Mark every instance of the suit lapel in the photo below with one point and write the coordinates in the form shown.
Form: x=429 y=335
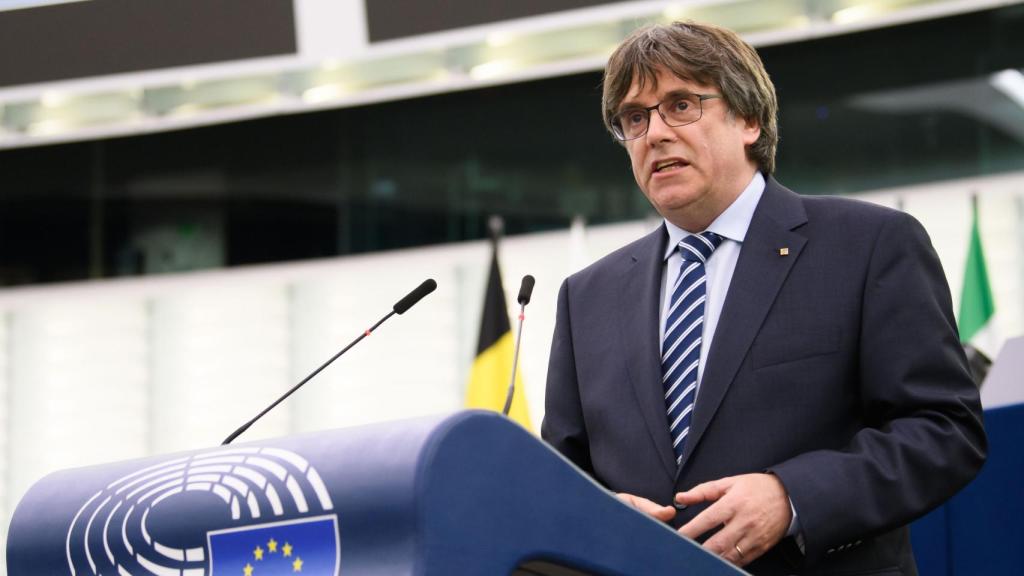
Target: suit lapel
x=639 y=312
x=760 y=273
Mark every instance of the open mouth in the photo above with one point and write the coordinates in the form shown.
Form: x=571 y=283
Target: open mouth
x=668 y=165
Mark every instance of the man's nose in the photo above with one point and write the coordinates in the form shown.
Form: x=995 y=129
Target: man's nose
x=657 y=129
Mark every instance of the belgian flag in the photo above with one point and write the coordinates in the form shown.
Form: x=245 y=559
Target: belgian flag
x=492 y=368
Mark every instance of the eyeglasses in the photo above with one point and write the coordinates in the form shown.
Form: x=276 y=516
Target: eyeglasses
x=677 y=110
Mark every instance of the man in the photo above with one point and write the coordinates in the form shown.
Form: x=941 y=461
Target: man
x=778 y=376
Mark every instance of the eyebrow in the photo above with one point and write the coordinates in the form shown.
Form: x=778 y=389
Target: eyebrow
x=633 y=104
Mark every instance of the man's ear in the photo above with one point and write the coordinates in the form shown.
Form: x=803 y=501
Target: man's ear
x=751 y=130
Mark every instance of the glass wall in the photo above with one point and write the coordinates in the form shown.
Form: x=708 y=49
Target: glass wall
x=922 y=102
x=917 y=103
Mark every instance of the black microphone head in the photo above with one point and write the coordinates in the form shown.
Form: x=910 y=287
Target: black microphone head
x=526 y=290
x=415 y=296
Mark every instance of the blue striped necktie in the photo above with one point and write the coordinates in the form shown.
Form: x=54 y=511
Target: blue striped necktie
x=680 y=352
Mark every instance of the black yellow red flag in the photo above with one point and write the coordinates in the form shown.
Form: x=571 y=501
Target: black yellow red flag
x=492 y=367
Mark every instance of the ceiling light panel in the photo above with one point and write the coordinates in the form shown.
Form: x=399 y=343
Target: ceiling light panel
x=552 y=45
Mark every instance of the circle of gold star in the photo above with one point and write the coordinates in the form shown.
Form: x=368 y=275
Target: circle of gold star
x=286 y=551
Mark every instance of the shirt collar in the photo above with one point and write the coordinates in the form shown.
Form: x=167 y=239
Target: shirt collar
x=731 y=224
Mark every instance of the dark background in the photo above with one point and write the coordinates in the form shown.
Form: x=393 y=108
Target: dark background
x=432 y=169
x=391 y=19
x=101 y=37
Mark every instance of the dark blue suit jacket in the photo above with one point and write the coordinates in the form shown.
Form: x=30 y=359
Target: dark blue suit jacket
x=837 y=367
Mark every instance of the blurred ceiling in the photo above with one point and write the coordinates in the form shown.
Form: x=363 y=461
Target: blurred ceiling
x=512 y=51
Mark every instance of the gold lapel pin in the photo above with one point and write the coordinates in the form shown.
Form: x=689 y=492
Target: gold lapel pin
x=783 y=251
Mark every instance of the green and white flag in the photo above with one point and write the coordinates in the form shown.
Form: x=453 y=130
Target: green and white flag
x=977 y=308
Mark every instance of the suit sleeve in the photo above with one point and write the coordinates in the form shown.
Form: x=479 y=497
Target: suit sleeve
x=924 y=438
x=563 y=427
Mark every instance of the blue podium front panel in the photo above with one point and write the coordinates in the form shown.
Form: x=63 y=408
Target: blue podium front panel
x=470 y=493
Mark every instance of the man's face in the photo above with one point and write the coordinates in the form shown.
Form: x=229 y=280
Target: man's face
x=690 y=173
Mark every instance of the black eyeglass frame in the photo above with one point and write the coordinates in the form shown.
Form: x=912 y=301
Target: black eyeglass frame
x=620 y=135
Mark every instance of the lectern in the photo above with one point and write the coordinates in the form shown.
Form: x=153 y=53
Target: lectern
x=470 y=493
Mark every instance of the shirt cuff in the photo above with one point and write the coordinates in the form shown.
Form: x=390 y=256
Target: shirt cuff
x=794 y=528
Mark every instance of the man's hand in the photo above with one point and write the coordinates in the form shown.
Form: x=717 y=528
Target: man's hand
x=657 y=511
x=754 y=509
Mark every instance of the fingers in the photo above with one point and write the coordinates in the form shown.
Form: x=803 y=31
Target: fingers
x=706 y=492
x=737 y=553
x=712 y=517
x=753 y=511
x=657 y=511
x=730 y=544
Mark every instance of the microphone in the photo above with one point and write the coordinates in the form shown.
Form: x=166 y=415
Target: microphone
x=400 y=307
x=415 y=296
x=525 y=291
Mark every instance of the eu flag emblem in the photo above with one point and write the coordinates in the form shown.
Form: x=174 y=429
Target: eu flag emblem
x=305 y=546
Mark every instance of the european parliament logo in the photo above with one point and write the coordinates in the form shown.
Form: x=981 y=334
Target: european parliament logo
x=245 y=511
x=308 y=546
